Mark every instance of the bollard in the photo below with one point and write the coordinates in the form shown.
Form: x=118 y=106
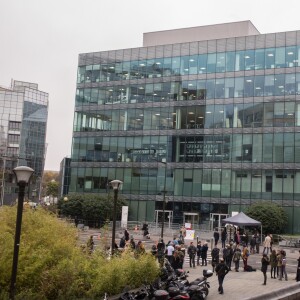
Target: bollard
x=212 y=243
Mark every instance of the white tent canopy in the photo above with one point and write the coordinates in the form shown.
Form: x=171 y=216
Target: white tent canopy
x=242 y=219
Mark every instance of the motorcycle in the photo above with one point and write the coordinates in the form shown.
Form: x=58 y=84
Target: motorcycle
x=202 y=281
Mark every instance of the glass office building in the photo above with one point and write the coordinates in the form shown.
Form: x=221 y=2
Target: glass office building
x=24 y=113
x=210 y=115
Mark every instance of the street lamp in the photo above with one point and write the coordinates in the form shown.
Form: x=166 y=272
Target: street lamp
x=23 y=175
x=164 y=200
x=115 y=185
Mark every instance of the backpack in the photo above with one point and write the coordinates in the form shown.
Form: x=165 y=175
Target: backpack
x=283 y=261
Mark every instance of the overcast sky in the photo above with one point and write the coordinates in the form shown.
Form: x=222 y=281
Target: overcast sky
x=40 y=41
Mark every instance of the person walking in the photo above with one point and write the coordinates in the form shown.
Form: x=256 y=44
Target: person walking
x=273 y=263
x=216 y=236
x=215 y=256
x=264 y=266
x=192 y=253
x=221 y=270
x=237 y=254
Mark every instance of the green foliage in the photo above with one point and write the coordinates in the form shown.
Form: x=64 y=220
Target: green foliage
x=90 y=206
x=52 y=266
x=52 y=188
x=272 y=216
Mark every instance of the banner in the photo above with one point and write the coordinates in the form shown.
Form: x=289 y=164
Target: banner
x=124 y=217
x=190 y=235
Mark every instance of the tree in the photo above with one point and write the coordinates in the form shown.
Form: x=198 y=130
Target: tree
x=52 y=188
x=47 y=177
x=272 y=216
x=94 y=209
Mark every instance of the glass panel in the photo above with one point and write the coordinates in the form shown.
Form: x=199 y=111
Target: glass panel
x=230 y=61
x=259 y=59
x=220 y=66
x=240 y=61
x=202 y=61
x=249 y=60
x=249 y=86
x=211 y=62
x=270 y=58
x=280 y=58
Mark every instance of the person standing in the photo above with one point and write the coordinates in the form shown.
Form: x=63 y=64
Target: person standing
x=126 y=235
x=236 y=257
x=245 y=255
x=204 y=250
x=221 y=270
x=161 y=248
x=252 y=244
x=273 y=263
x=198 y=253
x=298 y=269
x=283 y=266
x=170 y=251
x=223 y=237
x=216 y=236
x=267 y=244
x=192 y=253
x=90 y=244
x=257 y=242
x=264 y=266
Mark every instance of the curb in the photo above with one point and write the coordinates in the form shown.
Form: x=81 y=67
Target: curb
x=291 y=292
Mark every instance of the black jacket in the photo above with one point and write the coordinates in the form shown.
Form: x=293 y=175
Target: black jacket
x=222 y=269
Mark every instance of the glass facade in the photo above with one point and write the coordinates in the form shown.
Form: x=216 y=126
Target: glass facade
x=24 y=111
x=224 y=115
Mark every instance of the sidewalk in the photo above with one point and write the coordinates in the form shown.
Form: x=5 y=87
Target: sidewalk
x=248 y=285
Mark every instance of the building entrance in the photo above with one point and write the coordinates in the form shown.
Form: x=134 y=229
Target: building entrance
x=192 y=218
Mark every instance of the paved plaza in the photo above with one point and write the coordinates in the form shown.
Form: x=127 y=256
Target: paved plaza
x=237 y=285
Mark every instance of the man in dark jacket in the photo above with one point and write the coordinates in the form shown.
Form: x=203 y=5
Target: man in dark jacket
x=221 y=271
x=216 y=236
x=192 y=253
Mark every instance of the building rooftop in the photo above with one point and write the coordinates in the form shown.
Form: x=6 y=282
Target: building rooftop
x=200 y=33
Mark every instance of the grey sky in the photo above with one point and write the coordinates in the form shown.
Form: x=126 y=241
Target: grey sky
x=40 y=41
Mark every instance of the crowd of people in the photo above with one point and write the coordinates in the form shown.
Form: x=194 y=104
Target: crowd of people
x=224 y=258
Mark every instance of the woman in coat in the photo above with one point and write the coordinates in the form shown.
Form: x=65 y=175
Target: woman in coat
x=273 y=262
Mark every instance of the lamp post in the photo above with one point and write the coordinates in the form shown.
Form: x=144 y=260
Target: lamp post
x=164 y=200
x=23 y=175
x=115 y=185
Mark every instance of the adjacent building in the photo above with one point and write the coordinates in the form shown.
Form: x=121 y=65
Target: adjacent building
x=23 y=123
x=208 y=116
